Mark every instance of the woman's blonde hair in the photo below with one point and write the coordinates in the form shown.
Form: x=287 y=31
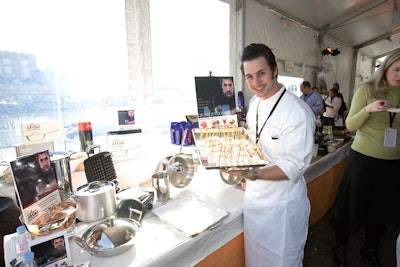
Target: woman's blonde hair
x=378 y=78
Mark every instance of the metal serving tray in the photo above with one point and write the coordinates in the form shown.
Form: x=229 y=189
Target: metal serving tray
x=227 y=148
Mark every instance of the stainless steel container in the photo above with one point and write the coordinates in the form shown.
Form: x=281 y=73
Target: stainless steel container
x=160 y=182
x=96 y=201
x=60 y=161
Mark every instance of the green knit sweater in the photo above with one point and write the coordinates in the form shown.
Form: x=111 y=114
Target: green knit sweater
x=371 y=127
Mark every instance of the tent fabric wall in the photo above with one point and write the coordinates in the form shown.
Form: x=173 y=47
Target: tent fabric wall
x=290 y=41
x=299 y=44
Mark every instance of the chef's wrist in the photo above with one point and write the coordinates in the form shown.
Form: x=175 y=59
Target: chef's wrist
x=254 y=175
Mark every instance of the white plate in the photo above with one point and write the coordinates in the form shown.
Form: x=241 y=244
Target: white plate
x=395 y=110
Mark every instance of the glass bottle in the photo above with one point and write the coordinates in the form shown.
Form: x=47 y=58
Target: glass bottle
x=240 y=100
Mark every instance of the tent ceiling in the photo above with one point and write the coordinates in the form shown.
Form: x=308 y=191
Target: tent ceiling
x=373 y=26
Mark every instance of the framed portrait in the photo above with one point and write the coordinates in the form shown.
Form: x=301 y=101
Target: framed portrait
x=52 y=250
x=215 y=96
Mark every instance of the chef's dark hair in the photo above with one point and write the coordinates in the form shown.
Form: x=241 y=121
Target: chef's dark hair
x=254 y=51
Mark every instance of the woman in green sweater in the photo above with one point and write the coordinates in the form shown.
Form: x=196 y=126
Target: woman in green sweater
x=369 y=191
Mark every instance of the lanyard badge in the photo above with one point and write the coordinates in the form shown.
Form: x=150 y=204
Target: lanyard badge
x=390 y=133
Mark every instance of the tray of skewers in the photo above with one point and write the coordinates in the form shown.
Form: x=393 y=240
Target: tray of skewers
x=227 y=148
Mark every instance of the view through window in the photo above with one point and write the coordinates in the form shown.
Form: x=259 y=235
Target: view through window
x=185 y=45
x=67 y=60
x=56 y=63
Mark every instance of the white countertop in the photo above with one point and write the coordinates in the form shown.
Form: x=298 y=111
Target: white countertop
x=160 y=244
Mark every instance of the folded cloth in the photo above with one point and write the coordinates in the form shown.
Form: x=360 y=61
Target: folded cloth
x=190 y=215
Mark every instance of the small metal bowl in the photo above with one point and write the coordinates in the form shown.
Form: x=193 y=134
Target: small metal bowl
x=181 y=169
x=61 y=217
x=229 y=179
x=109 y=237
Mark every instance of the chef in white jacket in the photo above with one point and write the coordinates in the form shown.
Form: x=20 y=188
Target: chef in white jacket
x=276 y=207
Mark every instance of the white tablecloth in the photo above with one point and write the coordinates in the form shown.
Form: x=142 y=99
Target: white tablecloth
x=160 y=244
x=326 y=162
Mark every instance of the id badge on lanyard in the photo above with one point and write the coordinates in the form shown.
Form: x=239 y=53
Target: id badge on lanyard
x=390 y=133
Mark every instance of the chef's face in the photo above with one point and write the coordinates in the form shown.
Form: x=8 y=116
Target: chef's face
x=44 y=161
x=393 y=74
x=260 y=79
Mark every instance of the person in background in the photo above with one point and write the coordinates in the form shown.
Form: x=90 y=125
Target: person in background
x=332 y=104
x=337 y=87
x=368 y=194
x=224 y=103
x=313 y=99
x=343 y=107
x=315 y=89
x=276 y=208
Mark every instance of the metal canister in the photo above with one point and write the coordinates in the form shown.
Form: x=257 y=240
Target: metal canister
x=85 y=135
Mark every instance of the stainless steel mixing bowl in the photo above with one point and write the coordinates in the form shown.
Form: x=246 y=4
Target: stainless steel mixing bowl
x=181 y=169
x=109 y=237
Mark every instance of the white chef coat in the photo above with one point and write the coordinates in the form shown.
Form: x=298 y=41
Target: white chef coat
x=336 y=102
x=398 y=251
x=276 y=212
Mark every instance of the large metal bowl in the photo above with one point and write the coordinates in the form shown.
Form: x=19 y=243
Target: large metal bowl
x=109 y=237
x=61 y=217
x=181 y=169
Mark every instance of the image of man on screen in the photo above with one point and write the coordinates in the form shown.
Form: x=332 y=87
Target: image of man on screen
x=127 y=117
x=223 y=102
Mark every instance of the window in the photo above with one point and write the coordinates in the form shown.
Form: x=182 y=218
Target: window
x=185 y=45
x=61 y=60
x=292 y=84
x=67 y=59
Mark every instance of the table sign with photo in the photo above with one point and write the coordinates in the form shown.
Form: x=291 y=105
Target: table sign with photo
x=215 y=96
x=52 y=250
x=36 y=185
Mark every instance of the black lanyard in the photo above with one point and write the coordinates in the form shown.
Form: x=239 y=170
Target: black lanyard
x=392 y=115
x=262 y=128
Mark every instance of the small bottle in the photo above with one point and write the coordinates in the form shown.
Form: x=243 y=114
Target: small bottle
x=29 y=260
x=240 y=100
x=189 y=135
x=173 y=129
x=21 y=242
